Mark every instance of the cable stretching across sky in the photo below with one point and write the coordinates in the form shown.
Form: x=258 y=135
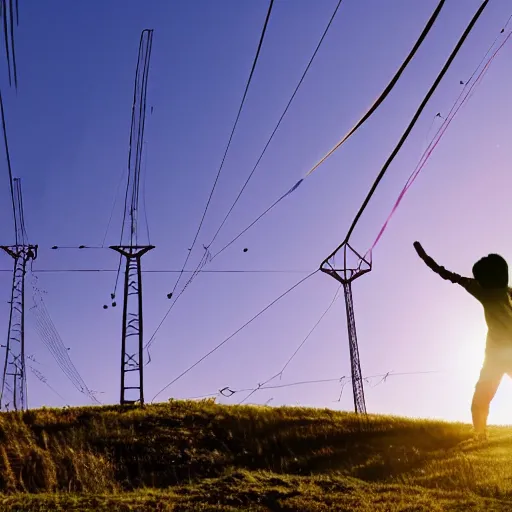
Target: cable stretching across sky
x=416 y=116
x=9 y=168
x=255 y=61
x=461 y=100
x=342 y=380
x=301 y=344
x=53 y=342
x=363 y=119
x=278 y=122
x=9 y=14
x=381 y=174
x=217 y=347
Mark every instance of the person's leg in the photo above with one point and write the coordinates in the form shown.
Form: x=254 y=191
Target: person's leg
x=485 y=389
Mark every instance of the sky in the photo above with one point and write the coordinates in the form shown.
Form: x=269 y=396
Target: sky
x=68 y=129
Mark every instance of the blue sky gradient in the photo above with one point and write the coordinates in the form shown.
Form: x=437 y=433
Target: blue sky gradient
x=68 y=128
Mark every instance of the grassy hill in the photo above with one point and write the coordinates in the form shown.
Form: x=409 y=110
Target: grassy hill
x=199 y=456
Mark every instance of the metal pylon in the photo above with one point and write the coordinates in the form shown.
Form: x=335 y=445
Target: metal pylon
x=132 y=364
x=346 y=272
x=14 y=374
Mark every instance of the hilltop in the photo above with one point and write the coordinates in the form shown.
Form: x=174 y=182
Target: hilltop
x=200 y=456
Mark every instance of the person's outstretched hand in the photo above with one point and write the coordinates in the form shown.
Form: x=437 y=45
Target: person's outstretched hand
x=419 y=249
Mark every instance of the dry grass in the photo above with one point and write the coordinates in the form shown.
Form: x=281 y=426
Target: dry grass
x=202 y=456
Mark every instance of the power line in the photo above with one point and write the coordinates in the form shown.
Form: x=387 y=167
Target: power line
x=279 y=121
x=268 y=306
x=9 y=168
x=457 y=105
x=11 y=19
x=489 y=49
x=80 y=247
x=271 y=207
x=372 y=109
x=52 y=340
x=416 y=116
x=144 y=193
x=8 y=15
x=199 y=269
x=100 y=270
x=44 y=380
x=386 y=91
x=320 y=381
x=303 y=342
x=359 y=123
x=229 y=142
x=135 y=148
x=120 y=182
x=346 y=275
x=228 y=392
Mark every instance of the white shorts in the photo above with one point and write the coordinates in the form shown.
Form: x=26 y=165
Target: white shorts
x=497 y=362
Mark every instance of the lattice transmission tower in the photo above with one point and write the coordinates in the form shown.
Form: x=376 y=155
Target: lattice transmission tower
x=13 y=393
x=351 y=266
x=132 y=335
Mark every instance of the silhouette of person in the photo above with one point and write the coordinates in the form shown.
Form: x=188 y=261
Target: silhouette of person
x=490 y=287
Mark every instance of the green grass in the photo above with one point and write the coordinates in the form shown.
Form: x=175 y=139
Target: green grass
x=199 y=456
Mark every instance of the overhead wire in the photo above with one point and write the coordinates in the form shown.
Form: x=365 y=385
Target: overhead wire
x=359 y=123
x=135 y=142
x=44 y=380
x=415 y=118
x=386 y=91
x=13 y=51
x=24 y=234
x=80 y=247
x=10 y=12
x=320 y=381
x=255 y=60
x=121 y=178
x=6 y=38
x=297 y=350
x=52 y=340
x=461 y=100
x=140 y=136
x=144 y=194
x=45 y=333
x=246 y=324
x=132 y=123
x=326 y=30
x=401 y=141
x=100 y=270
x=363 y=119
x=489 y=50
x=342 y=379
x=9 y=168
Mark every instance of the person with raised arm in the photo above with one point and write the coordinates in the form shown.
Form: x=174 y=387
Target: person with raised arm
x=489 y=286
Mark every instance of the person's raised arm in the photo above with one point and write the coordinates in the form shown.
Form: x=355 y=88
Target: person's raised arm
x=438 y=269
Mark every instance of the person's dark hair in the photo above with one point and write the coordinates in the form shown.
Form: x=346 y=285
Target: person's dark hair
x=491 y=271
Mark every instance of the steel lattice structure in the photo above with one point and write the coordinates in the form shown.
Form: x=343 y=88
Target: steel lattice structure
x=346 y=273
x=132 y=365
x=14 y=380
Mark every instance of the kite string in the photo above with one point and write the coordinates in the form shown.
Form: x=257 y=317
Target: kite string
x=436 y=139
